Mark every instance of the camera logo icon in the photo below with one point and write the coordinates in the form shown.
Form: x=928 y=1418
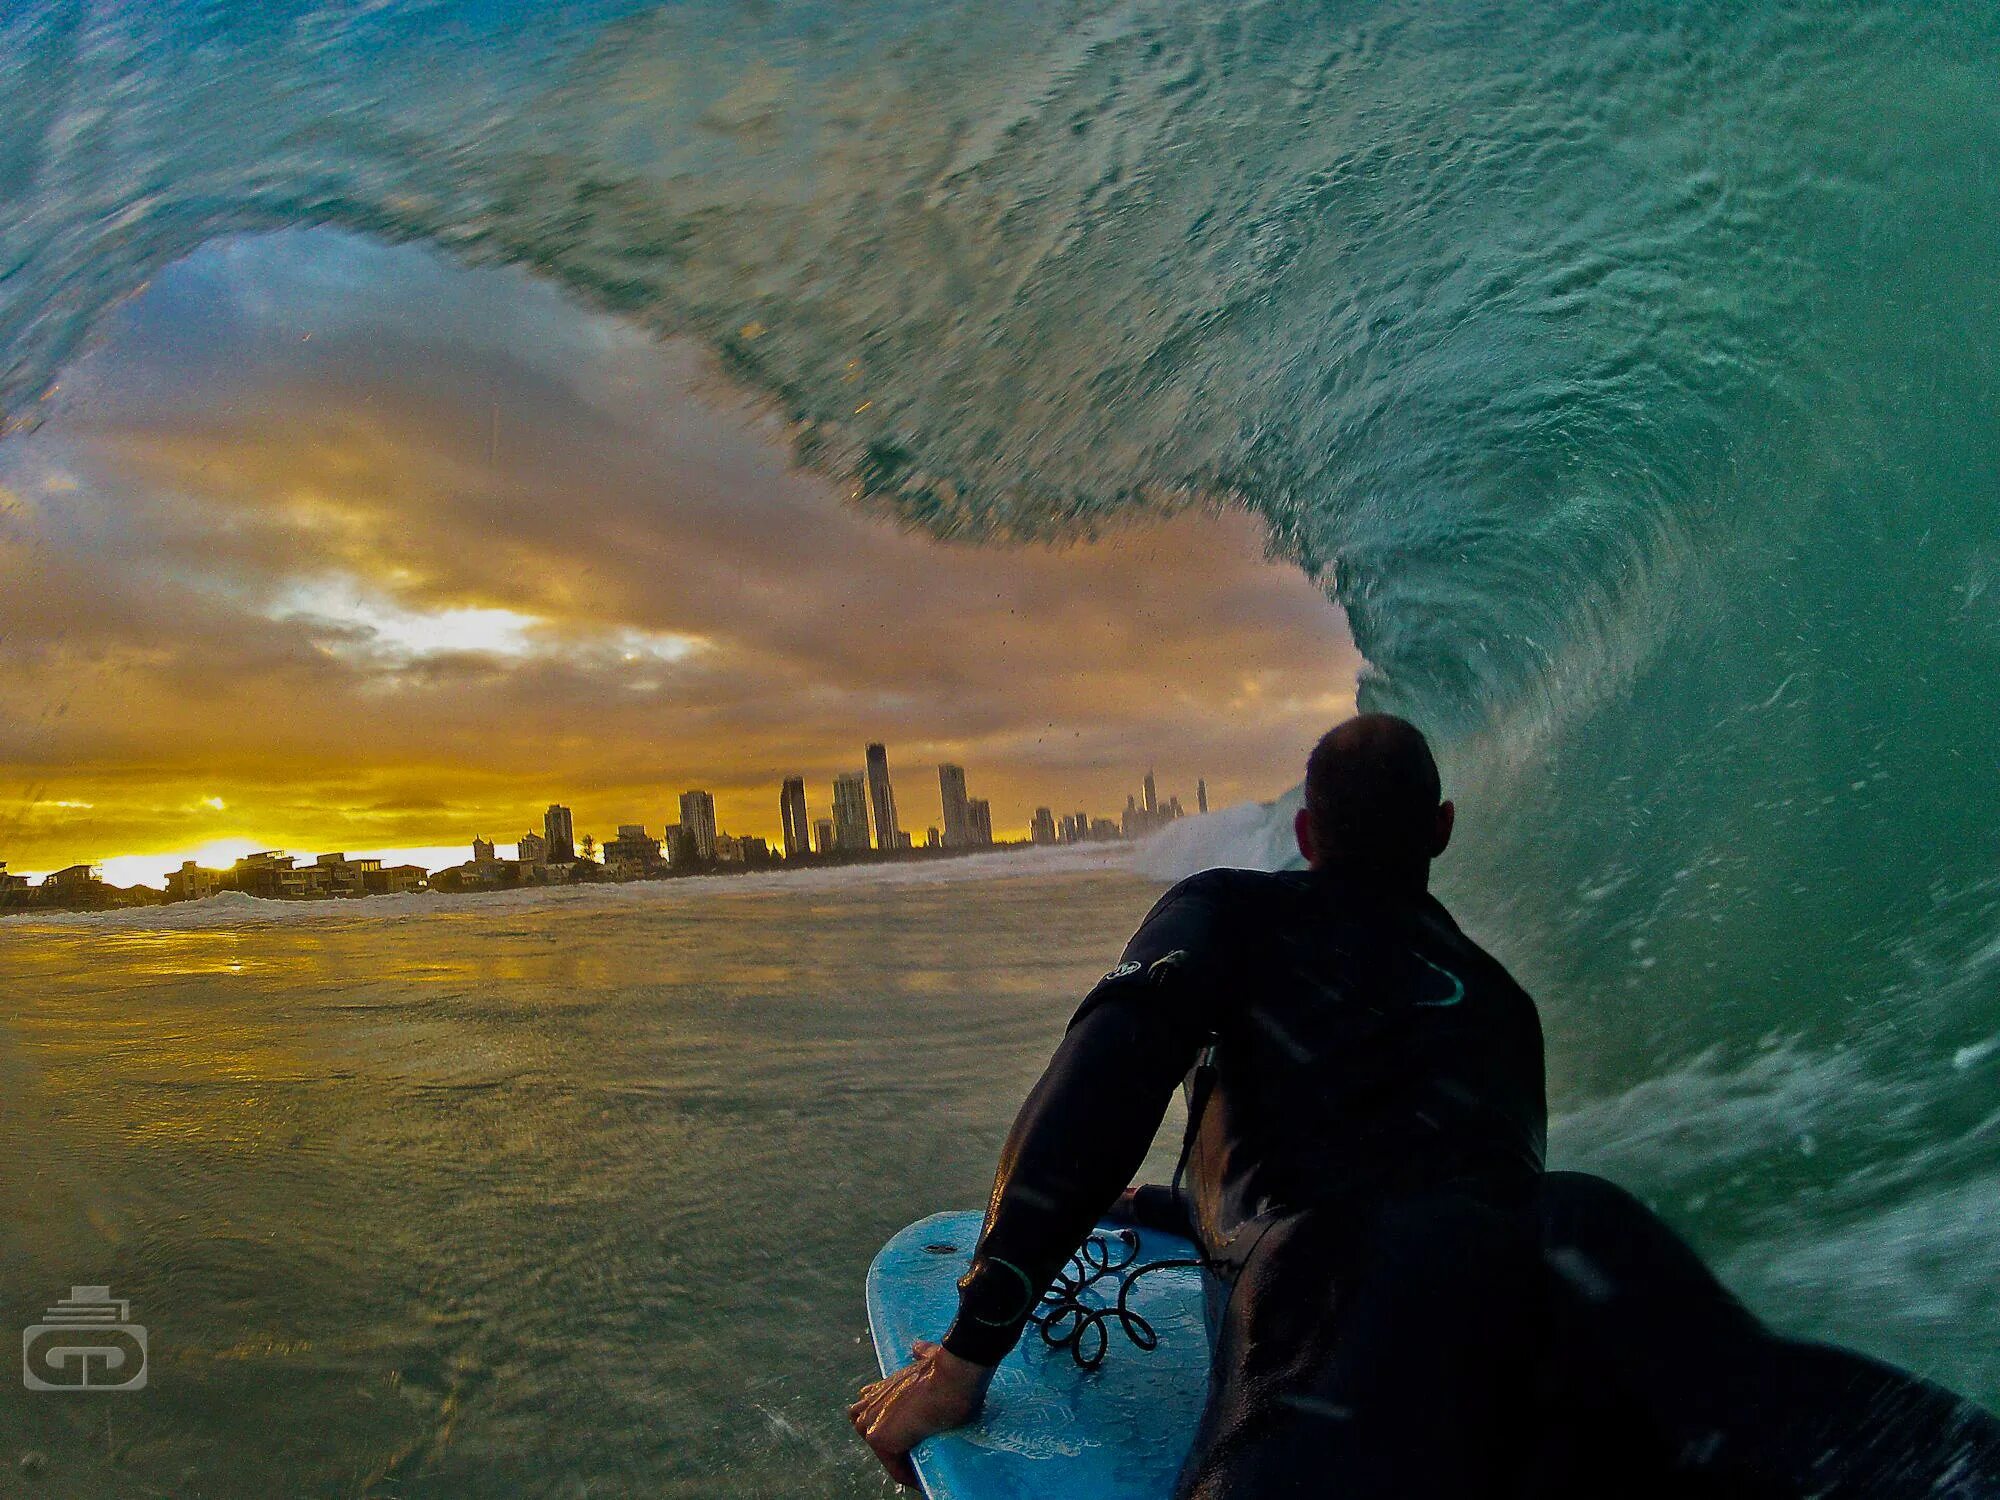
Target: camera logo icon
x=86 y=1342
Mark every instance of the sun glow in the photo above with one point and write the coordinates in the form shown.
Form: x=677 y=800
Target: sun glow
x=370 y=624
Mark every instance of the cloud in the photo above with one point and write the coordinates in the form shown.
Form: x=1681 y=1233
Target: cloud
x=468 y=549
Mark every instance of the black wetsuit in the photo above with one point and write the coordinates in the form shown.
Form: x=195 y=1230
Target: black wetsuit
x=1366 y=1180
x=1361 y=1177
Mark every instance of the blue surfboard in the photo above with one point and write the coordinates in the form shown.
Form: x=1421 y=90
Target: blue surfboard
x=1051 y=1428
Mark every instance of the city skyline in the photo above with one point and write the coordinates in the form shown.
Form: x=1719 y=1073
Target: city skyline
x=965 y=822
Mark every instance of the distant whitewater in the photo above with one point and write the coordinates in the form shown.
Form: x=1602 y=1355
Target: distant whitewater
x=229 y=909
x=1626 y=372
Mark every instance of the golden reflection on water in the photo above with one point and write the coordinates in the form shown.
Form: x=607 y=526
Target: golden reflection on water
x=491 y=1197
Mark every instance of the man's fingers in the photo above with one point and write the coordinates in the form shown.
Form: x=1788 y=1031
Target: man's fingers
x=895 y=1457
x=868 y=1410
x=868 y=1394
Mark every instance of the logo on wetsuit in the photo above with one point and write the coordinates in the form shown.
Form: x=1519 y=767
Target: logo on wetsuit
x=1457 y=985
x=1159 y=970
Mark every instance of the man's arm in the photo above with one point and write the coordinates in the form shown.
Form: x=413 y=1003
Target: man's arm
x=1077 y=1141
x=1087 y=1125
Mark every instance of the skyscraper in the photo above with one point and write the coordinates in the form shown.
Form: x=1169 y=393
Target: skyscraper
x=792 y=810
x=1043 y=830
x=1201 y=796
x=823 y=836
x=1152 y=797
x=850 y=813
x=883 y=799
x=560 y=833
x=979 y=823
x=698 y=818
x=951 y=789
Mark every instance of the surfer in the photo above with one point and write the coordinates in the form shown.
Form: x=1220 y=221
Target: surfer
x=1363 y=1173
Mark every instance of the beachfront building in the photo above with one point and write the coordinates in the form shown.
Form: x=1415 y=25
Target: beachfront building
x=882 y=798
x=397 y=880
x=978 y=823
x=850 y=813
x=792 y=812
x=677 y=845
x=951 y=792
x=192 y=883
x=698 y=818
x=632 y=854
x=532 y=850
x=560 y=831
x=346 y=877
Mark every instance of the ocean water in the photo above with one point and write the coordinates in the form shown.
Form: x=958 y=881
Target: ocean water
x=1627 y=372
x=566 y=1194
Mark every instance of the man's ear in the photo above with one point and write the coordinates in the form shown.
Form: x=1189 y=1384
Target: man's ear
x=1302 y=830
x=1447 y=815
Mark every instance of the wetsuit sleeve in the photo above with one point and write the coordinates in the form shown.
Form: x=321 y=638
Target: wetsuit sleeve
x=1087 y=1124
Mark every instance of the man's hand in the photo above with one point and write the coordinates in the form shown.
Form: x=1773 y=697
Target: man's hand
x=937 y=1393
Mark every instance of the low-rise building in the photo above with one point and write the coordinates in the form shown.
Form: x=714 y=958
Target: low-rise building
x=74 y=885
x=396 y=880
x=344 y=876
x=192 y=883
x=13 y=888
x=633 y=854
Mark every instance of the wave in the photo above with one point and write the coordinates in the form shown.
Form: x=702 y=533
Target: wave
x=1626 y=372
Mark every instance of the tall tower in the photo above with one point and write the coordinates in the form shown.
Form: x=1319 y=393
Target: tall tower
x=1201 y=795
x=1152 y=796
x=951 y=788
x=698 y=818
x=792 y=810
x=560 y=833
x=883 y=799
x=850 y=813
x=979 y=823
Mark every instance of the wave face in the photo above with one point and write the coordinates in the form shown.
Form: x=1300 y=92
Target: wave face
x=1626 y=371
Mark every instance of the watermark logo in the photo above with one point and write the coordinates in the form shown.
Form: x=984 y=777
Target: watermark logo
x=86 y=1342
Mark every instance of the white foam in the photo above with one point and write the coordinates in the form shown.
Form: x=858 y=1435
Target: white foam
x=234 y=909
x=1248 y=836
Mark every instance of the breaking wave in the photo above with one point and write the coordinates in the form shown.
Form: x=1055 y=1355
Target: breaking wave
x=1626 y=372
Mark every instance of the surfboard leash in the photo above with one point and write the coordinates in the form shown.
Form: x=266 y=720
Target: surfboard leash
x=1068 y=1322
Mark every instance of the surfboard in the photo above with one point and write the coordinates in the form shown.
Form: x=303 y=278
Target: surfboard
x=1051 y=1428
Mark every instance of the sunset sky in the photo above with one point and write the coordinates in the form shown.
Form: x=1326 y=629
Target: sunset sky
x=329 y=545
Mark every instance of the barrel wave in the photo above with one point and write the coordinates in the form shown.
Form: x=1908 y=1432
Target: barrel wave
x=1626 y=372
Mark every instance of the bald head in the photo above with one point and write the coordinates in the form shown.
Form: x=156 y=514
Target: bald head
x=1372 y=799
